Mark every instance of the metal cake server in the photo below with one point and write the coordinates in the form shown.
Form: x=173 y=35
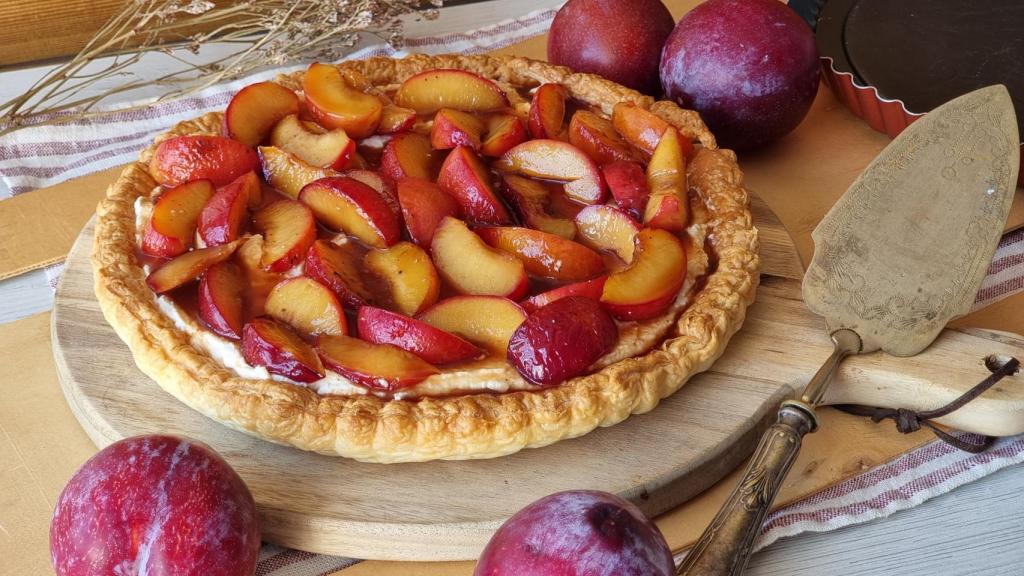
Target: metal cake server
x=901 y=253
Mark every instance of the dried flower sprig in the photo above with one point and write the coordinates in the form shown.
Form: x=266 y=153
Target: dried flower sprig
x=268 y=32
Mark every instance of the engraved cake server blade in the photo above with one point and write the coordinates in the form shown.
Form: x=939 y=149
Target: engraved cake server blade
x=898 y=256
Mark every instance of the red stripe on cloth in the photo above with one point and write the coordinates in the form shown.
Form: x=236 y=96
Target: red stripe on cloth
x=51 y=171
x=53 y=273
x=1006 y=262
x=282 y=560
x=1013 y=242
x=15 y=190
x=64 y=148
x=1012 y=237
x=154 y=110
x=904 y=492
x=906 y=463
x=1005 y=287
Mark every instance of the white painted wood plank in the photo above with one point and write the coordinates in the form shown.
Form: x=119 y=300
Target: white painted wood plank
x=24 y=295
x=975 y=530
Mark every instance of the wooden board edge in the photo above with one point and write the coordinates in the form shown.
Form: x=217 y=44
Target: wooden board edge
x=433 y=542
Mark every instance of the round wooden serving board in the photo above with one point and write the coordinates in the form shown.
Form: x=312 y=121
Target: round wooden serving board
x=448 y=510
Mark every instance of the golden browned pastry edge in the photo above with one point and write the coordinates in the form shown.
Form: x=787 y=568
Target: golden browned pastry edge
x=470 y=426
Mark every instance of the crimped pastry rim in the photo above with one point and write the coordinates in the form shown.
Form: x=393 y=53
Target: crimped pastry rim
x=481 y=425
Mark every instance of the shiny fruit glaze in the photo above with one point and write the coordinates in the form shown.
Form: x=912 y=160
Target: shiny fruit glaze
x=454 y=240
x=562 y=339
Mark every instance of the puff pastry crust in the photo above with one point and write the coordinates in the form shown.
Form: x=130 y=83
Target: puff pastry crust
x=481 y=425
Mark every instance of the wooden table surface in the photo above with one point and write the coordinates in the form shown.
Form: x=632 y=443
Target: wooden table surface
x=977 y=529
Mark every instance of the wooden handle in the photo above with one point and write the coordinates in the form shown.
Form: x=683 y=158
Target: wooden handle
x=954 y=363
x=724 y=548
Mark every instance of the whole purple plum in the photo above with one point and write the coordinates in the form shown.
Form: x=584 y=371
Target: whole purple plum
x=577 y=533
x=618 y=39
x=155 y=505
x=750 y=67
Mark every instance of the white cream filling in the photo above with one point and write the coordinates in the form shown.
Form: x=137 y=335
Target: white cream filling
x=490 y=375
x=229 y=353
x=221 y=349
x=376 y=141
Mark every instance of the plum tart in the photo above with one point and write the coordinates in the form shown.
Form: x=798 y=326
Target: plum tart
x=442 y=257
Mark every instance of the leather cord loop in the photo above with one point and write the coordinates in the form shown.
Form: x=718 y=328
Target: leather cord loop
x=909 y=421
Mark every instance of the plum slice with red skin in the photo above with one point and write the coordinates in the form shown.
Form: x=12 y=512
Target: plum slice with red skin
x=561 y=340
x=194 y=157
x=627 y=182
x=223 y=218
x=376 y=366
x=222 y=299
x=273 y=345
x=432 y=344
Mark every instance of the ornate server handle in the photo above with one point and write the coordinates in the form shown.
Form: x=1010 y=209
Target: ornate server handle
x=724 y=548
